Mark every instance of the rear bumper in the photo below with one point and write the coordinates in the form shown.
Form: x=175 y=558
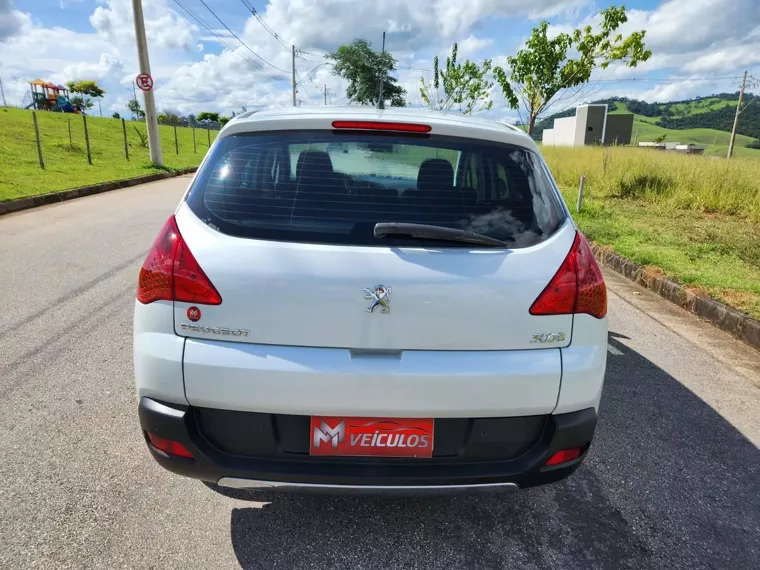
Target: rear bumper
x=304 y=473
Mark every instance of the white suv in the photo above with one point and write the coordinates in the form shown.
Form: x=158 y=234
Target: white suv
x=353 y=298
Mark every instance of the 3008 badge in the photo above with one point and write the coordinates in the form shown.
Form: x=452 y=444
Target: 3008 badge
x=392 y=437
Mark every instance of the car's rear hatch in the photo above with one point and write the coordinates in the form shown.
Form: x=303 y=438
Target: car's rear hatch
x=296 y=294
x=331 y=317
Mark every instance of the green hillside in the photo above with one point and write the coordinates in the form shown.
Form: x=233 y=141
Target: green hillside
x=66 y=162
x=704 y=120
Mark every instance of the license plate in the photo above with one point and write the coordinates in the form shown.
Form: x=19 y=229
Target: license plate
x=370 y=437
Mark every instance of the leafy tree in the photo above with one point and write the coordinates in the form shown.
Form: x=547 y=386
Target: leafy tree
x=89 y=88
x=224 y=120
x=542 y=69
x=464 y=85
x=208 y=116
x=170 y=118
x=191 y=119
x=661 y=138
x=81 y=102
x=87 y=91
x=753 y=145
x=363 y=68
x=134 y=107
x=116 y=116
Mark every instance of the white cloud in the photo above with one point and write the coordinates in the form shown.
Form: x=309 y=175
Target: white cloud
x=457 y=16
x=471 y=45
x=163 y=26
x=105 y=66
x=11 y=20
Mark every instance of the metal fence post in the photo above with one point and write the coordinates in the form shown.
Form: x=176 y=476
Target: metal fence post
x=176 y=144
x=126 y=144
x=87 y=139
x=208 y=133
x=37 y=136
x=580 y=193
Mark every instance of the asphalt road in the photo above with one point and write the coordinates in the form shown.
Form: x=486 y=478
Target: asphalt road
x=672 y=481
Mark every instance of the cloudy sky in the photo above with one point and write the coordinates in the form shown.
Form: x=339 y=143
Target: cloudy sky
x=700 y=46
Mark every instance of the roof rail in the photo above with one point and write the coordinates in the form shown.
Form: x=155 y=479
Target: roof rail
x=243 y=115
x=513 y=127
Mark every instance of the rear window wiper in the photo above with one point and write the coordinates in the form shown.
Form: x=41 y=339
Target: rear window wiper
x=425 y=231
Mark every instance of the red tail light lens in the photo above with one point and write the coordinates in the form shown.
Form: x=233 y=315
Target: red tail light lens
x=169 y=447
x=382 y=126
x=171 y=273
x=565 y=455
x=577 y=287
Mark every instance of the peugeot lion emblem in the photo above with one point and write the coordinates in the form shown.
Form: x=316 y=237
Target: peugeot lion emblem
x=380 y=295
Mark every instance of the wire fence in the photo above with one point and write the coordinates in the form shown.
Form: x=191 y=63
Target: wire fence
x=47 y=139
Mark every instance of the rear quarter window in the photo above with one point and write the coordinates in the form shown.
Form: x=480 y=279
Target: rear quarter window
x=333 y=187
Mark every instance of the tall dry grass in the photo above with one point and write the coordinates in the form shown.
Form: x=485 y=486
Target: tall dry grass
x=668 y=179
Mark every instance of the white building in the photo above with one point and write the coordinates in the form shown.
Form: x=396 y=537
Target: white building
x=591 y=125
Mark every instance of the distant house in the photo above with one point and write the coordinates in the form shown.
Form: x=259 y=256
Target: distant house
x=592 y=124
x=676 y=147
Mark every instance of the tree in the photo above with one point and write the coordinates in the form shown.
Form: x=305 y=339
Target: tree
x=116 y=116
x=224 y=120
x=542 y=69
x=134 y=107
x=464 y=85
x=208 y=116
x=81 y=102
x=363 y=69
x=170 y=118
x=88 y=90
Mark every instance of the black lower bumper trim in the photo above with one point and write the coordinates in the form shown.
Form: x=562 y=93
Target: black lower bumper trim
x=176 y=423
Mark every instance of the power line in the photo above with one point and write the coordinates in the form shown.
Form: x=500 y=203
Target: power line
x=276 y=36
x=304 y=88
x=256 y=64
x=245 y=45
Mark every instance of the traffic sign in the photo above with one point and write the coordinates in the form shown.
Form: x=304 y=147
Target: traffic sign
x=144 y=82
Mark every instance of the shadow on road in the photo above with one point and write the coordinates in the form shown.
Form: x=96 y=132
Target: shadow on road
x=669 y=484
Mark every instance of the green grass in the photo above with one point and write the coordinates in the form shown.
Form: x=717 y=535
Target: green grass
x=694 y=218
x=66 y=164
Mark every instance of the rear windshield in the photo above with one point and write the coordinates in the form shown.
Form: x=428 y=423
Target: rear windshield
x=333 y=187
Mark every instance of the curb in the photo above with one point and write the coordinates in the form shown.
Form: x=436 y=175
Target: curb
x=55 y=197
x=735 y=323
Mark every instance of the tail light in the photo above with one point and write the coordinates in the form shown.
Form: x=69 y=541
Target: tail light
x=382 y=126
x=169 y=447
x=171 y=273
x=577 y=287
x=564 y=456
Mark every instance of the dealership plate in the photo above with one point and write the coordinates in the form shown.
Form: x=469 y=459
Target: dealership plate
x=371 y=437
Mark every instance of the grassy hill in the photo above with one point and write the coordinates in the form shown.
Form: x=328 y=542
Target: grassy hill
x=704 y=120
x=66 y=162
x=647 y=129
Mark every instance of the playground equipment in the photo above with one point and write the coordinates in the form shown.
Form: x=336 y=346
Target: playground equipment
x=47 y=96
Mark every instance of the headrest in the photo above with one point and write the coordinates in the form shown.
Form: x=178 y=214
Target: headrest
x=313 y=164
x=435 y=174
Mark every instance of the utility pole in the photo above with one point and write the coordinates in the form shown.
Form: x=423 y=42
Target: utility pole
x=325 y=94
x=736 y=117
x=151 y=121
x=294 y=75
x=2 y=92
